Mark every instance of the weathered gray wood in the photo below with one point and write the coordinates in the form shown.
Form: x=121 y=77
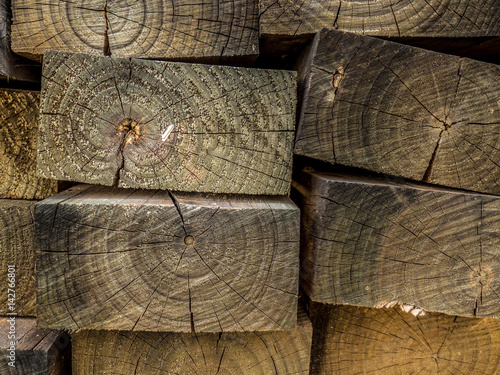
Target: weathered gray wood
x=409 y=18
x=372 y=243
x=164 y=125
x=246 y=353
x=36 y=351
x=17 y=256
x=13 y=67
x=400 y=110
x=158 y=261
x=210 y=29
x=351 y=340
x=19 y=111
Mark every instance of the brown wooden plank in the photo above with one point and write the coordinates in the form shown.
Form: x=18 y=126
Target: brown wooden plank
x=351 y=340
x=210 y=29
x=407 y=18
x=400 y=110
x=17 y=258
x=27 y=350
x=158 y=261
x=278 y=352
x=19 y=112
x=375 y=242
x=164 y=125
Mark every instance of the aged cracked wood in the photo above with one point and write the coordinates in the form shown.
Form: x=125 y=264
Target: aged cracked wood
x=13 y=67
x=387 y=18
x=37 y=351
x=375 y=242
x=351 y=340
x=246 y=353
x=400 y=110
x=152 y=260
x=164 y=125
x=210 y=29
x=19 y=111
x=17 y=244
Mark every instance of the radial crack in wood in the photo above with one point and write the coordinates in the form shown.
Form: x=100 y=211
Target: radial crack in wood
x=351 y=340
x=137 y=260
x=19 y=112
x=386 y=18
x=400 y=110
x=17 y=257
x=210 y=30
x=165 y=125
x=373 y=242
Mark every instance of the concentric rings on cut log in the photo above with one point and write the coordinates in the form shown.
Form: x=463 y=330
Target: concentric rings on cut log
x=119 y=259
x=229 y=129
x=281 y=352
x=147 y=29
x=394 y=342
x=402 y=111
x=406 y=18
x=19 y=111
x=17 y=241
x=370 y=243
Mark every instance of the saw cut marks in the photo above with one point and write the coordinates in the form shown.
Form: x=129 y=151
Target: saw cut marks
x=158 y=261
x=210 y=29
x=164 y=125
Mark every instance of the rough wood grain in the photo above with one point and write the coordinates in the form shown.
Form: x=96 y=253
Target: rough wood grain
x=37 y=351
x=158 y=261
x=19 y=111
x=400 y=110
x=164 y=125
x=369 y=243
x=128 y=28
x=351 y=340
x=388 y=18
x=13 y=67
x=248 y=353
x=17 y=244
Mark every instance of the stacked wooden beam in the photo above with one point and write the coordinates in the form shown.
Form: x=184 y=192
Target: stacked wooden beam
x=166 y=240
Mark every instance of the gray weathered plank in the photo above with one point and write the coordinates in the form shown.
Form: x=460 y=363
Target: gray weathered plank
x=157 y=261
x=164 y=125
x=375 y=242
x=400 y=110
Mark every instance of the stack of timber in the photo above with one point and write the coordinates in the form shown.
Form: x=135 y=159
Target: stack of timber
x=216 y=250
x=383 y=258
x=24 y=349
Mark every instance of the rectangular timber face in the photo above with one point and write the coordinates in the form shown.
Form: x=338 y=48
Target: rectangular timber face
x=179 y=29
x=351 y=340
x=403 y=18
x=378 y=243
x=400 y=110
x=165 y=125
x=158 y=261
x=277 y=352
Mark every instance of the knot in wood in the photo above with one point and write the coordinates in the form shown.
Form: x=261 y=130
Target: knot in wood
x=189 y=240
x=132 y=129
